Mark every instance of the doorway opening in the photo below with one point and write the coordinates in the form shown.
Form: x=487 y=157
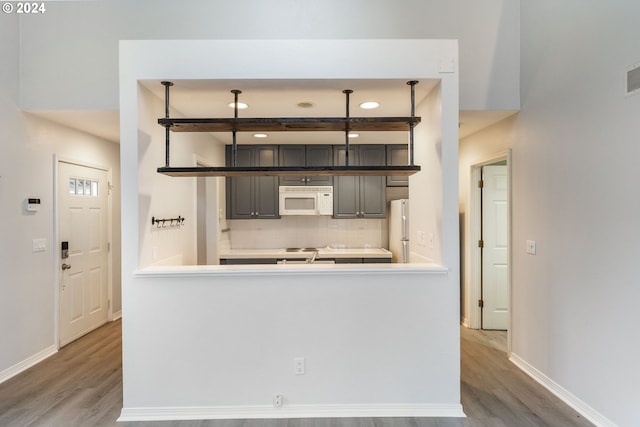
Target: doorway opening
x=490 y=216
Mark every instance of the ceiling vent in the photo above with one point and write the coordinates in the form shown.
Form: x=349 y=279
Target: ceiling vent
x=633 y=80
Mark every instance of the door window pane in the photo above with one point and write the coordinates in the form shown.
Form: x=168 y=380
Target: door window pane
x=80 y=187
x=72 y=186
x=94 y=188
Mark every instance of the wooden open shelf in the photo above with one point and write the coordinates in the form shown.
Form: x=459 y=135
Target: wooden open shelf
x=291 y=124
x=235 y=124
x=290 y=171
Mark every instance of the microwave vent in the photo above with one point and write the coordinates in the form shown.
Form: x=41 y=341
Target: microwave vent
x=306 y=189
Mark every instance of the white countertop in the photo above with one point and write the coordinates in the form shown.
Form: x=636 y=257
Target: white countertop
x=325 y=252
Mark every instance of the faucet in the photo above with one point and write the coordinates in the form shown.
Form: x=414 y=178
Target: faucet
x=312 y=258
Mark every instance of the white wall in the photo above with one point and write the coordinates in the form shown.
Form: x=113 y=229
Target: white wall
x=28 y=308
x=575 y=166
x=73 y=49
x=425 y=187
x=162 y=196
x=223 y=339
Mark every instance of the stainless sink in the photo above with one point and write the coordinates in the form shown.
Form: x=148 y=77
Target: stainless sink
x=311 y=259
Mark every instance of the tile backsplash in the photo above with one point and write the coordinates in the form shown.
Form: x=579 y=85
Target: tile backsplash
x=307 y=231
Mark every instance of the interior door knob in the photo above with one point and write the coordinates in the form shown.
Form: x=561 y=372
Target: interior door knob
x=65 y=267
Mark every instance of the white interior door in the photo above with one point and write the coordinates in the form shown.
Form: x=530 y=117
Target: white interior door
x=494 y=253
x=82 y=223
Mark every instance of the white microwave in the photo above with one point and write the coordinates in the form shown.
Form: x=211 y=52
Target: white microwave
x=306 y=200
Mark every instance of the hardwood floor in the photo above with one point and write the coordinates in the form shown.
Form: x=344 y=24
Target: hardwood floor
x=82 y=386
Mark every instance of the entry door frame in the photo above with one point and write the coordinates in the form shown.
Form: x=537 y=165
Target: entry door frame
x=57 y=262
x=475 y=234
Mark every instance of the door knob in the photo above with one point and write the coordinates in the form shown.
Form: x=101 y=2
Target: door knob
x=65 y=267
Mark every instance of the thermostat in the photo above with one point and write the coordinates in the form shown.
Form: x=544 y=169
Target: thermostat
x=33 y=205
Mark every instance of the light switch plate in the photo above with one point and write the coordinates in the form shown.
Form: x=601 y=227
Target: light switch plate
x=531 y=247
x=38 y=245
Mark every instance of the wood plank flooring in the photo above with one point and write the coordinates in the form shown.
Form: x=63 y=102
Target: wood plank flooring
x=82 y=386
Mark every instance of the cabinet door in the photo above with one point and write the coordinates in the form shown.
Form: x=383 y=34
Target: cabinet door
x=373 y=202
x=253 y=196
x=240 y=203
x=265 y=188
x=319 y=155
x=397 y=155
x=292 y=155
x=346 y=189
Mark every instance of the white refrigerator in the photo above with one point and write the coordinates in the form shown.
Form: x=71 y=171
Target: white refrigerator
x=399 y=230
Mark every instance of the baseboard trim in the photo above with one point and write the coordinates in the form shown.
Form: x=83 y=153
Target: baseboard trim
x=27 y=363
x=291 y=411
x=582 y=408
x=115 y=316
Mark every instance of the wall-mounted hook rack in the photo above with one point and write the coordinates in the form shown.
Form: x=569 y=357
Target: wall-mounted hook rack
x=167 y=222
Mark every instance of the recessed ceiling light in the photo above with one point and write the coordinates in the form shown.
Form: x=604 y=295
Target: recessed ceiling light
x=369 y=105
x=353 y=135
x=260 y=135
x=306 y=104
x=241 y=105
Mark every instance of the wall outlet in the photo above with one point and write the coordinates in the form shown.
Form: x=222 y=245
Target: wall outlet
x=298 y=366
x=531 y=247
x=277 y=400
x=422 y=240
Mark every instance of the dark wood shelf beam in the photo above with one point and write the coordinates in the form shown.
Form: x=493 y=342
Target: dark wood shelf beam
x=291 y=124
x=290 y=171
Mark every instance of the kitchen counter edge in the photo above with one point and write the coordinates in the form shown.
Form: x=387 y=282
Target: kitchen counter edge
x=322 y=253
x=289 y=269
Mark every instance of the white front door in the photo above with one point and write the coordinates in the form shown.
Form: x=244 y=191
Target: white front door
x=82 y=216
x=494 y=253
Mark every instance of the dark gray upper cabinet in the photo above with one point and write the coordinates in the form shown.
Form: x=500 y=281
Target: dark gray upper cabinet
x=359 y=196
x=397 y=155
x=250 y=197
x=306 y=155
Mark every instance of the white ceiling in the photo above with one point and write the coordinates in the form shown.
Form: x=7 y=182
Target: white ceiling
x=280 y=98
